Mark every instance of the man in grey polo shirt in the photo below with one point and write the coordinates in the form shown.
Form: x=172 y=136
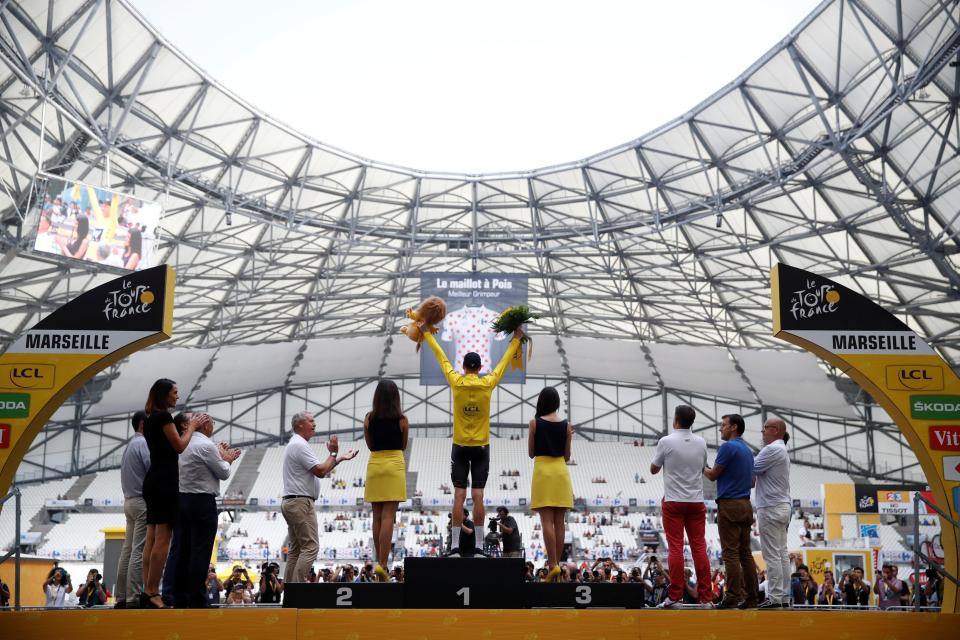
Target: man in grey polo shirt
x=133 y=468
x=301 y=487
x=771 y=469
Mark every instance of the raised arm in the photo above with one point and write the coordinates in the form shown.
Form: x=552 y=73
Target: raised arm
x=178 y=442
x=494 y=378
x=321 y=470
x=448 y=371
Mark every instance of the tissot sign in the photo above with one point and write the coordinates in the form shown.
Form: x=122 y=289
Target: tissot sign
x=56 y=357
x=897 y=367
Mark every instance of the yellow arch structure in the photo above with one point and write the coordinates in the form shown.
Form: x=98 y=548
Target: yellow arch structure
x=915 y=386
x=52 y=360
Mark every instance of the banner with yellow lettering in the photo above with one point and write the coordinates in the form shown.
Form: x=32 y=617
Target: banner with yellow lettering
x=49 y=362
x=913 y=384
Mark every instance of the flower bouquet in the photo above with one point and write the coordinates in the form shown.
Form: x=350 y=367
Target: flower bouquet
x=509 y=321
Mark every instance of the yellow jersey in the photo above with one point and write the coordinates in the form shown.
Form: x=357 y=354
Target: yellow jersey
x=471 y=396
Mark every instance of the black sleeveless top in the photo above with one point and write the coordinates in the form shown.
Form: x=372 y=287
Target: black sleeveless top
x=385 y=435
x=163 y=457
x=550 y=438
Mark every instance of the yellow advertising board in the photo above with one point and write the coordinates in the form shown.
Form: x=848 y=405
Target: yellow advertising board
x=52 y=360
x=820 y=560
x=913 y=384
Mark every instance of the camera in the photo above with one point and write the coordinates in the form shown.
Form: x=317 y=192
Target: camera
x=492 y=525
x=64 y=576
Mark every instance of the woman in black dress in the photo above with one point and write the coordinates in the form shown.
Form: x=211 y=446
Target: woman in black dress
x=162 y=482
x=79 y=241
x=134 y=248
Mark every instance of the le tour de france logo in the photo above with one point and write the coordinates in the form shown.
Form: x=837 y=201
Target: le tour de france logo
x=815 y=299
x=128 y=300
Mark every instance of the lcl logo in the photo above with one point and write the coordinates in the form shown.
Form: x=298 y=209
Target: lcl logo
x=27 y=376
x=914 y=377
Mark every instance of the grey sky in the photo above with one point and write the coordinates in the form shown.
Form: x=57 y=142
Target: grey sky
x=471 y=86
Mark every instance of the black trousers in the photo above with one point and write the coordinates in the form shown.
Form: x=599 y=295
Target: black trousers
x=196 y=530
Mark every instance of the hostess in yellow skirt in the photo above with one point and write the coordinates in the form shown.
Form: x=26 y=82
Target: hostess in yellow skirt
x=551 y=483
x=386 y=477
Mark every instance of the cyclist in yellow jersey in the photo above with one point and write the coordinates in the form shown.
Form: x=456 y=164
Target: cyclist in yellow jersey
x=471 y=428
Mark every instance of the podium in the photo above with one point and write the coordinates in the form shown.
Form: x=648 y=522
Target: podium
x=343 y=595
x=593 y=595
x=462 y=583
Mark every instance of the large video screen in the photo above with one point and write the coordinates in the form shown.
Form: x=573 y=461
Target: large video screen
x=86 y=222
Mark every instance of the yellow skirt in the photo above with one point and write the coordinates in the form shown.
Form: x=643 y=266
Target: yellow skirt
x=386 y=477
x=551 y=483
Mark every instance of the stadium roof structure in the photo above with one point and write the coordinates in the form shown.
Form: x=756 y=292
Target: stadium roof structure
x=836 y=152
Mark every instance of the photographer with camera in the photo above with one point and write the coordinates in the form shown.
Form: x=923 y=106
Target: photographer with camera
x=805 y=588
x=271 y=585
x=933 y=590
x=214 y=586
x=509 y=533
x=656 y=588
x=92 y=593
x=239 y=587
x=56 y=587
x=855 y=591
x=652 y=565
x=608 y=568
x=468 y=536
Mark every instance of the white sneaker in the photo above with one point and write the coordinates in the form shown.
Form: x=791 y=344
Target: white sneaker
x=670 y=604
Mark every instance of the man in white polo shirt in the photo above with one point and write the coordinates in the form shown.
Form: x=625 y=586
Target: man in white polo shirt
x=682 y=455
x=771 y=470
x=301 y=487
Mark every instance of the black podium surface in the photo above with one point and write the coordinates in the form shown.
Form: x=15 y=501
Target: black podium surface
x=463 y=583
x=593 y=595
x=343 y=595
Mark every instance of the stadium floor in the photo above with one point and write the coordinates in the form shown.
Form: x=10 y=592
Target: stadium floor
x=476 y=624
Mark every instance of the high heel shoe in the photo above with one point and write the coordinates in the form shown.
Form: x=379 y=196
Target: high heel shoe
x=152 y=604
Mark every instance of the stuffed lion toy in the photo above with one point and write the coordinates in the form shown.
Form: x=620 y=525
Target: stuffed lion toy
x=425 y=317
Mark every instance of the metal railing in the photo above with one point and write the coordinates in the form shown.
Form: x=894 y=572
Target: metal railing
x=15 y=494
x=919 y=555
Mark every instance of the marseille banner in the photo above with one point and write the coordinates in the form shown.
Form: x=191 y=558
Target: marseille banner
x=49 y=362
x=474 y=301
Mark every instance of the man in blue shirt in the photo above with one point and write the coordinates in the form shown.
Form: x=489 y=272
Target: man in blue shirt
x=733 y=472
